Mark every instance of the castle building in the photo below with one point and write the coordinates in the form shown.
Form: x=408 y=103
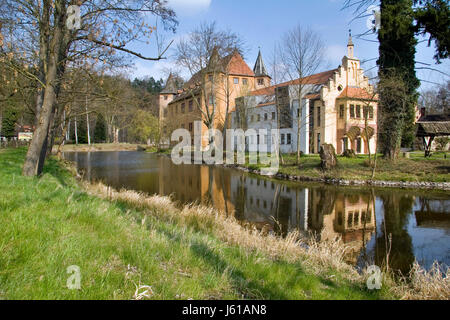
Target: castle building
x=211 y=91
x=339 y=107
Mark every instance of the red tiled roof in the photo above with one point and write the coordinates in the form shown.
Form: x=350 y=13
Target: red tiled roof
x=357 y=93
x=313 y=96
x=237 y=66
x=319 y=78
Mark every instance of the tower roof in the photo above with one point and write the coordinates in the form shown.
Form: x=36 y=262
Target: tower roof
x=171 y=85
x=350 y=39
x=260 y=68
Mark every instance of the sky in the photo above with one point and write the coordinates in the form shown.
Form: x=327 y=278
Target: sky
x=262 y=23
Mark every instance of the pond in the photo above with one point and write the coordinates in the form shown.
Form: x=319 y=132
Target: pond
x=410 y=224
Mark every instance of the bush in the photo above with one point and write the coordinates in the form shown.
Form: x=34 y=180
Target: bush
x=441 y=143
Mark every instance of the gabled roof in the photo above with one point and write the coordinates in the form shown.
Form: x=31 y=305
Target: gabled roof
x=235 y=65
x=318 y=79
x=260 y=69
x=357 y=93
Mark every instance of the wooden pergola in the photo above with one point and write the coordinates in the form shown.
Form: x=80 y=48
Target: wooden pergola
x=429 y=130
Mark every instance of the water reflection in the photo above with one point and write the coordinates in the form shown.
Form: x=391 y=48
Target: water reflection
x=379 y=225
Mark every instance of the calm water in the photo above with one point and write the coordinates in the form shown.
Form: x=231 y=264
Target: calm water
x=418 y=220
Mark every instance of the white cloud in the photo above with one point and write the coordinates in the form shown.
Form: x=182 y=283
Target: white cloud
x=189 y=7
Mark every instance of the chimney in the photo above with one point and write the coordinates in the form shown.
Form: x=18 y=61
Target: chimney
x=422 y=112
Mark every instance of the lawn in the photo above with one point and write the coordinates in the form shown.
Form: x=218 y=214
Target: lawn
x=52 y=222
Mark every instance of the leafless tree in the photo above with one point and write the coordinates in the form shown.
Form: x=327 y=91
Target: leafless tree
x=201 y=54
x=45 y=35
x=302 y=53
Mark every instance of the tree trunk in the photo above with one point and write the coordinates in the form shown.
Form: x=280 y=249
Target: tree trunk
x=39 y=141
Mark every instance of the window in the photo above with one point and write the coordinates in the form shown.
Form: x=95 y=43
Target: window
x=352 y=111
x=211 y=100
x=282 y=138
x=273 y=116
x=236 y=80
x=341 y=111
x=182 y=126
x=191 y=126
x=318 y=116
x=260 y=82
x=265 y=117
x=210 y=77
x=318 y=142
x=245 y=81
x=259 y=117
x=358 y=112
x=370 y=112
x=253 y=118
x=289 y=139
x=166 y=97
x=191 y=105
x=183 y=108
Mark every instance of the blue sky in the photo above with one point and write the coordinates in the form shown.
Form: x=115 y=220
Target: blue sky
x=261 y=23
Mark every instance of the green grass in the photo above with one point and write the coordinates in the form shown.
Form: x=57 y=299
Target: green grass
x=50 y=223
x=416 y=169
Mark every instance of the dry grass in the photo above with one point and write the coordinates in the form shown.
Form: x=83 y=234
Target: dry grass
x=318 y=256
x=321 y=258
x=425 y=285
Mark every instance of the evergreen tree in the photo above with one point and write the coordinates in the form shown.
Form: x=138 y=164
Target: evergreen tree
x=82 y=130
x=100 y=129
x=397 y=59
x=9 y=120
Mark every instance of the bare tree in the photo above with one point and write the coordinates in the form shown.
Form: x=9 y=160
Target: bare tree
x=201 y=54
x=45 y=33
x=302 y=54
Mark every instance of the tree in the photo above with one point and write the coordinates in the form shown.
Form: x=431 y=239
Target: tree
x=106 y=28
x=397 y=59
x=9 y=121
x=201 y=53
x=100 y=129
x=145 y=128
x=302 y=52
x=401 y=20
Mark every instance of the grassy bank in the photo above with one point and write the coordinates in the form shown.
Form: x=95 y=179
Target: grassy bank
x=125 y=241
x=415 y=169
x=95 y=147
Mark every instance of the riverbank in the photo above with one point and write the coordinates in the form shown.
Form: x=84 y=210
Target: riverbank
x=98 y=147
x=124 y=241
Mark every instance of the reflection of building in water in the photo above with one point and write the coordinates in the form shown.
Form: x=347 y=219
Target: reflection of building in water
x=268 y=204
x=188 y=184
x=433 y=214
x=351 y=217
